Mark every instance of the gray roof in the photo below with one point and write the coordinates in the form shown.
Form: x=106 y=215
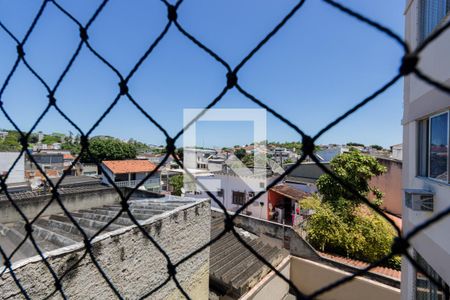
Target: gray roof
x=56 y=231
x=234 y=270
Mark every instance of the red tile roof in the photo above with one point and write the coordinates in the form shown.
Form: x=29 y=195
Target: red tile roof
x=383 y=271
x=68 y=156
x=289 y=191
x=129 y=166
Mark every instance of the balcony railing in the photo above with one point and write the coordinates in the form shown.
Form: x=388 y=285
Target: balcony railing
x=133 y=183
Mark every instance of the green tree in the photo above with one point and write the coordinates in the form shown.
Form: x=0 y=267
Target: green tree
x=356 y=169
x=240 y=153
x=11 y=142
x=360 y=233
x=355 y=144
x=51 y=139
x=176 y=182
x=108 y=148
x=341 y=223
x=376 y=147
x=139 y=146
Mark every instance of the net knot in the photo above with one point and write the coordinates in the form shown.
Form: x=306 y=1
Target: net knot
x=125 y=205
x=87 y=244
x=228 y=224
x=7 y=264
x=170 y=145
x=172 y=13
x=51 y=99
x=3 y=185
x=55 y=193
x=231 y=80
x=409 y=63
x=84 y=141
x=24 y=142
x=83 y=34
x=28 y=228
x=171 y=269
x=20 y=51
x=399 y=246
x=308 y=145
x=123 y=87
x=58 y=285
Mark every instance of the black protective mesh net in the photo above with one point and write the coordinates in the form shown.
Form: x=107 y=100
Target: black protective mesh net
x=408 y=66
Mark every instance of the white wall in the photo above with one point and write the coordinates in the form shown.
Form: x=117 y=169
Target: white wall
x=420 y=101
x=18 y=172
x=230 y=183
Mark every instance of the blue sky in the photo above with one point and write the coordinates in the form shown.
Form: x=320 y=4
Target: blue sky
x=318 y=66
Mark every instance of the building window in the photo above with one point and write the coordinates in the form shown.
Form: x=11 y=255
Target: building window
x=422 y=163
x=439 y=147
x=431 y=13
x=220 y=193
x=238 y=198
x=433 y=150
x=425 y=288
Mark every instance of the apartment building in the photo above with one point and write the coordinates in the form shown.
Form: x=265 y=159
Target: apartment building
x=426 y=151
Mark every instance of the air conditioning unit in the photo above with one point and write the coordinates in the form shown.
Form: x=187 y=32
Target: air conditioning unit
x=419 y=200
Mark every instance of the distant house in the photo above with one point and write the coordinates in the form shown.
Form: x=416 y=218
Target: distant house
x=397 y=151
x=233 y=191
x=87 y=169
x=129 y=173
x=46 y=160
x=326 y=155
x=17 y=174
x=68 y=159
x=195 y=158
x=284 y=203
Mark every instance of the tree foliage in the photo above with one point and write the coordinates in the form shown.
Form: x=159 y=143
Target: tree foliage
x=11 y=142
x=356 y=169
x=376 y=147
x=240 y=153
x=139 y=146
x=108 y=148
x=342 y=224
x=355 y=144
x=357 y=233
x=177 y=184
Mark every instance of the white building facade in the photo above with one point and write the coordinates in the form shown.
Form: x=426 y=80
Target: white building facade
x=233 y=191
x=426 y=152
x=17 y=174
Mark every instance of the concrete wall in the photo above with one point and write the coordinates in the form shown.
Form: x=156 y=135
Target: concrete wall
x=390 y=183
x=72 y=201
x=286 y=237
x=271 y=286
x=309 y=276
x=132 y=263
x=18 y=172
x=275 y=234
